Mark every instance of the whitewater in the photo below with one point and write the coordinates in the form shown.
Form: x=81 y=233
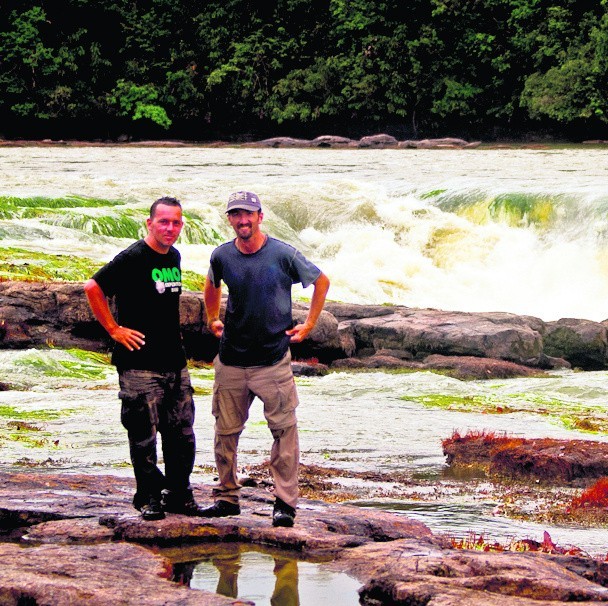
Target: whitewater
x=517 y=230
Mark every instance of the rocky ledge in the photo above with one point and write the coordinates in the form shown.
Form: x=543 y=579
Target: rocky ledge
x=575 y=462
x=464 y=345
x=85 y=544
x=376 y=141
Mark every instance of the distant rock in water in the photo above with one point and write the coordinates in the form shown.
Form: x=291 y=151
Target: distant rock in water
x=379 y=141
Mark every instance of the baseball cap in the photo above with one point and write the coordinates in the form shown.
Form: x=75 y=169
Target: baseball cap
x=245 y=200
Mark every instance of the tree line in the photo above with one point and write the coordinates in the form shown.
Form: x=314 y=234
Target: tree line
x=239 y=69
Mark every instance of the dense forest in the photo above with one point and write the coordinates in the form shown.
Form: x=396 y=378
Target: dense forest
x=243 y=69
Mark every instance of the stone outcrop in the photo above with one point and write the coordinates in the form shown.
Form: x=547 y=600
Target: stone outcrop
x=378 y=141
x=583 y=342
x=85 y=544
x=543 y=459
x=426 y=331
x=466 y=345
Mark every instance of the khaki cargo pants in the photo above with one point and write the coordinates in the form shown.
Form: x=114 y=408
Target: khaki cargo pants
x=234 y=390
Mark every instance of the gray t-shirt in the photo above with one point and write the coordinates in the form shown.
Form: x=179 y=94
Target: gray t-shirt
x=258 y=311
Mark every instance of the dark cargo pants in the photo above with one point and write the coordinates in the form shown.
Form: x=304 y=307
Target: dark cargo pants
x=158 y=402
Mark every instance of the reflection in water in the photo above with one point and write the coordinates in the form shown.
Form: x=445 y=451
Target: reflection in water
x=234 y=572
x=286 y=587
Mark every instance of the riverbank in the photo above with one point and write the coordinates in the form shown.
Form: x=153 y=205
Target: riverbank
x=376 y=141
x=81 y=532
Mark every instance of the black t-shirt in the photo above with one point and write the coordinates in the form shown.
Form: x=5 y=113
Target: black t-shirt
x=258 y=310
x=147 y=286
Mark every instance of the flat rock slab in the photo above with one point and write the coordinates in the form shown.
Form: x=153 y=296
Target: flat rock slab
x=407 y=573
x=35 y=314
x=86 y=544
x=96 y=575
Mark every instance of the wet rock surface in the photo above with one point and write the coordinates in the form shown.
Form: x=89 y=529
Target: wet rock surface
x=86 y=544
x=466 y=345
x=545 y=459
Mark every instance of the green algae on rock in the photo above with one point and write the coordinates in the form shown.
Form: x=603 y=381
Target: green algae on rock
x=572 y=415
x=22 y=264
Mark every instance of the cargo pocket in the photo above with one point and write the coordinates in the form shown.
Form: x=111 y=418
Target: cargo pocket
x=229 y=409
x=283 y=415
x=138 y=413
x=288 y=395
x=215 y=402
x=181 y=414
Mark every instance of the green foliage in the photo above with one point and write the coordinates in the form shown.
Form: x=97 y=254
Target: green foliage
x=237 y=65
x=563 y=412
x=71 y=366
x=136 y=101
x=564 y=93
x=11 y=412
x=67 y=202
x=126 y=224
x=198 y=230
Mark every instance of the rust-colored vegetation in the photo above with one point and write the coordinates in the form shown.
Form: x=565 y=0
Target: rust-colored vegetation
x=489 y=438
x=312 y=361
x=476 y=448
x=478 y=543
x=551 y=461
x=594 y=496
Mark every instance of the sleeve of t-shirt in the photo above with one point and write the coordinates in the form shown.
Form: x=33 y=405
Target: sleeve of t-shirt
x=215 y=272
x=303 y=270
x=109 y=276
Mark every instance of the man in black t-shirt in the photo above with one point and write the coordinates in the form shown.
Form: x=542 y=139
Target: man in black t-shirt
x=155 y=388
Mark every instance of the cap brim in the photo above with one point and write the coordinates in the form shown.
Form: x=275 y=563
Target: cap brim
x=249 y=207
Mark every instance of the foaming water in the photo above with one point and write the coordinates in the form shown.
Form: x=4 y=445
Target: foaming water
x=473 y=230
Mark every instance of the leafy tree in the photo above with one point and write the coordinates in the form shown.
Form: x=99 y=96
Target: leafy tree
x=243 y=66
x=138 y=101
x=575 y=87
x=38 y=64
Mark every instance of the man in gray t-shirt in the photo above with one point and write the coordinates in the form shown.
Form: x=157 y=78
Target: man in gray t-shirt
x=254 y=358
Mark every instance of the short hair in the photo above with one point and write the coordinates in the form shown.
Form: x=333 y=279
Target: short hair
x=167 y=201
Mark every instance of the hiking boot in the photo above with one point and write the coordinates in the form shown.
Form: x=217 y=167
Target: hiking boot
x=183 y=502
x=283 y=514
x=152 y=510
x=221 y=509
